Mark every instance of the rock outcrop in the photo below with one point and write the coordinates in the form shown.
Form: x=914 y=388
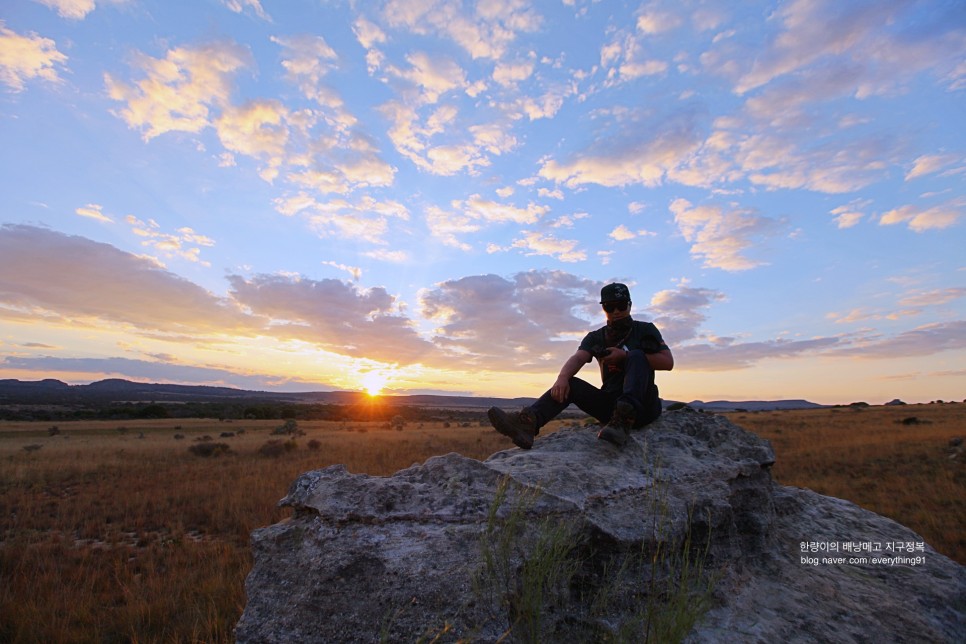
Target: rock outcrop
x=682 y=531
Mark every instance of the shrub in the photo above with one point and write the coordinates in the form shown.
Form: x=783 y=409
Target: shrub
x=315 y=445
x=207 y=450
x=289 y=428
x=53 y=431
x=275 y=448
x=913 y=420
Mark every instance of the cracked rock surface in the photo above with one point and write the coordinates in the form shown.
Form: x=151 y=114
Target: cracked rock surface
x=369 y=559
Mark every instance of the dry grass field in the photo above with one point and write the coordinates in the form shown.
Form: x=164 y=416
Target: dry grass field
x=896 y=461
x=121 y=532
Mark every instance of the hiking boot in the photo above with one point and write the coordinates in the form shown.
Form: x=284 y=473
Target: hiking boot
x=617 y=431
x=520 y=427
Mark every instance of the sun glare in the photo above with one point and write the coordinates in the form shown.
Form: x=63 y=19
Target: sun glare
x=373 y=382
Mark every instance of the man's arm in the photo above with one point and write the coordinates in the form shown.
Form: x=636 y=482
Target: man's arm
x=661 y=361
x=561 y=387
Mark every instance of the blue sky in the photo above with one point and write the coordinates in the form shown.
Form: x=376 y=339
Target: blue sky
x=427 y=195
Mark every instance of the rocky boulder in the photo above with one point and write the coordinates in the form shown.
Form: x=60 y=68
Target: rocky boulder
x=682 y=534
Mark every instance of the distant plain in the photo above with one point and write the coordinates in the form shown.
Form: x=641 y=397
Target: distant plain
x=118 y=531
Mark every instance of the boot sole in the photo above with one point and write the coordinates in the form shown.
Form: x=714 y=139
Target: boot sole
x=520 y=440
x=613 y=436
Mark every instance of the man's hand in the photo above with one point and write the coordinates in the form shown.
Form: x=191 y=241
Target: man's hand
x=614 y=360
x=560 y=390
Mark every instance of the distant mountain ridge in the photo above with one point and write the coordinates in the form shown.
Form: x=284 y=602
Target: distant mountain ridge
x=51 y=391
x=754 y=405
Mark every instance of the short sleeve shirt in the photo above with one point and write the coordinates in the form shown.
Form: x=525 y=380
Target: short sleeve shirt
x=643 y=335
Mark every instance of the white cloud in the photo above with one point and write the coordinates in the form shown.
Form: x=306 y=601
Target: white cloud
x=391 y=256
x=354 y=271
x=242 y=6
x=309 y=59
x=679 y=313
x=936 y=297
x=929 y=164
x=179 y=91
x=622 y=233
x=547 y=104
x=65 y=279
x=333 y=315
x=721 y=236
x=94 y=211
x=638 y=154
x=509 y=74
x=653 y=21
x=256 y=129
x=729 y=355
x=537 y=243
x=368 y=33
x=485 y=34
x=888 y=42
x=493 y=137
x=446 y=226
x=434 y=75
x=924 y=340
x=921 y=219
x=491 y=211
x=185 y=244
x=23 y=58
x=847 y=216
x=529 y=319
x=70 y=9
x=364 y=219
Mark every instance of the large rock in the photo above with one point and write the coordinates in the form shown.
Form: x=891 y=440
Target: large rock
x=608 y=541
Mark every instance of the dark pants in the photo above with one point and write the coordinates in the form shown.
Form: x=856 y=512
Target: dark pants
x=638 y=390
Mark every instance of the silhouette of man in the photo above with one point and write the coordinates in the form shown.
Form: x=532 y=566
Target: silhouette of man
x=628 y=352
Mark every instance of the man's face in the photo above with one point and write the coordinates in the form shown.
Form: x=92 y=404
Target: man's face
x=616 y=309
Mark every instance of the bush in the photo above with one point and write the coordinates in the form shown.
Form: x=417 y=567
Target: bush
x=207 y=450
x=276 y=448
x=315 y=445
x=289 y=428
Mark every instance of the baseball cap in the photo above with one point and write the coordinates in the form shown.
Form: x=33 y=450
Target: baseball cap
x=615 y=291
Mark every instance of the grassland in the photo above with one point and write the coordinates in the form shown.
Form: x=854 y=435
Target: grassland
x=120 y=532
x=896 y=461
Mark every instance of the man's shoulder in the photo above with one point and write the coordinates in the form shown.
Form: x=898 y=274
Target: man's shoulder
x=645 y=326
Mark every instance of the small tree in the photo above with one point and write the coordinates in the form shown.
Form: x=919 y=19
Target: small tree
x=289 y=428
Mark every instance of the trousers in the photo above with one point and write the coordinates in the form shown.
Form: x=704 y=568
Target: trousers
x=638 y=389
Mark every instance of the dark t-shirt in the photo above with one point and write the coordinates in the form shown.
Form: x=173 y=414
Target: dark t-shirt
x=643 y=335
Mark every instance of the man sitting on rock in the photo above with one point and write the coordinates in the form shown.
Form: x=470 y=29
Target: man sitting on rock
x=628 y=351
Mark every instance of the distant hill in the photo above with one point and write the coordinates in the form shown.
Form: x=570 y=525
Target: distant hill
x=50 y=391
x=115 y=390
x=753 y=405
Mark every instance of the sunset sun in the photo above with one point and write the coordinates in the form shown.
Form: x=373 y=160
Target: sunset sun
x=374 y=381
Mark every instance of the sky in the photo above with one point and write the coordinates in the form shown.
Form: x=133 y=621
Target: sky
x=426 y=196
